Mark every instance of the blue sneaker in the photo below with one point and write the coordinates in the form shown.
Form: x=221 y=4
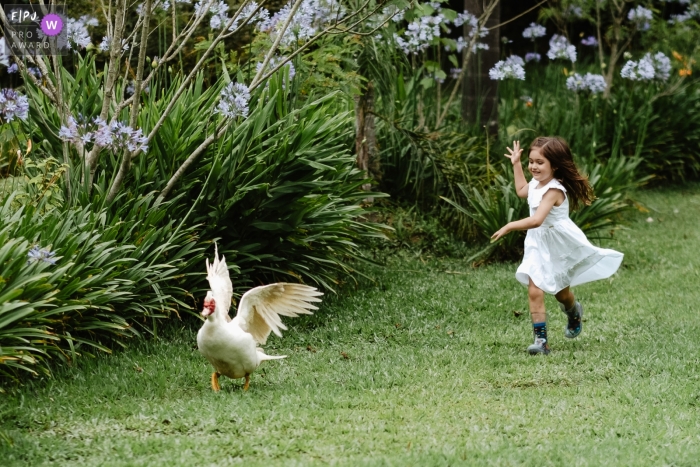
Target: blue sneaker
x=575 y=324
x=539 y=347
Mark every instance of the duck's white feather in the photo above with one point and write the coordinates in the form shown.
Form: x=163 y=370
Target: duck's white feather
x=260 y=308
x=220 y=282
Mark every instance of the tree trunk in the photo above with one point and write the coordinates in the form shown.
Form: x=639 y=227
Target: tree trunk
x=479 y=92
x=365 y=137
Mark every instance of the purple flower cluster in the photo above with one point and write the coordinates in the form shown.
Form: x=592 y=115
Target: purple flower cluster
x=107 y=43
x=512 y=67
x=641 y=17
x=13 y=104
x=234 y=101
x=589 y=41
x=425 y=31
x=559 y=47
x=37 y=254
x=530 y=56
x=534 y=31
x=649 y=67
x=116 y=136
x=78 y=36
x=588 y=82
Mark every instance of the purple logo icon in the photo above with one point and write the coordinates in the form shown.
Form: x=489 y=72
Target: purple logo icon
x=51 y=24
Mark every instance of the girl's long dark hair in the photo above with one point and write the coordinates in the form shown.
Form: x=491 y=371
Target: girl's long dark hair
x=559 y=155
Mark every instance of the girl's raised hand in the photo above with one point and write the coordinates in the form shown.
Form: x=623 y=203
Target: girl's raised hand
x=514 y=155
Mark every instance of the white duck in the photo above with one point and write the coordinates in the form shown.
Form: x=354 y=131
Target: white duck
x=232 y=345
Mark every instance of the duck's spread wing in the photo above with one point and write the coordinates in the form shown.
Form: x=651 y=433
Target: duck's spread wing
x=219 y=281
x=260 y=308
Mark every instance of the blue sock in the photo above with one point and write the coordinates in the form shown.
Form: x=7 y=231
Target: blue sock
x=540 y=330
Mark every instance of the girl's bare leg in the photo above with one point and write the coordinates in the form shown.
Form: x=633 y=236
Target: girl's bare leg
x=536 y=297
x=566 y=298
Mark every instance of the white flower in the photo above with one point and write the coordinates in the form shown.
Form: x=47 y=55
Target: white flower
x=515 y=60
x=107 y=43
x=559 y=47
x=662 y=66
x=574 y=11
x=589 y=82
x=234 y=101
x=37 y=254
x=530 y=56
x=595 y=83
x=640 y=15
x=648 y=68
x=504 y=70
x=534 y=30
x=76 y=30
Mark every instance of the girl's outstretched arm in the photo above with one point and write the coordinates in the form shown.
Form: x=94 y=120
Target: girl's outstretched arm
x=550 y=198
x=521 y=186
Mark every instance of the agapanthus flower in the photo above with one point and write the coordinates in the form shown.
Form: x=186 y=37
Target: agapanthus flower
x=394 y=12
x=662 y=66
x=12 y=68
x=515 y=60
x=505 y=70
x=261 y=16
x=107 y=43
x=649 y=67
x=81 y=129
x=530 y=56
x=693 y=11
x=534 y=31
x=589 y=41
x=574 y=11
x=234 y=101
x=588 y=82
x=682 y=18
x=34 y=71
x=118 y=136
x=37 y=254
x=640 y=15
x=311 y=16
x=420 y=34
x=455 y=72
x=13 y=104
x=131 y=88
x=559 y=47
x=78 y=36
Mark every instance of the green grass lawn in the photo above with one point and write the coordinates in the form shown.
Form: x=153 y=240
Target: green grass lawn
x=427 y=366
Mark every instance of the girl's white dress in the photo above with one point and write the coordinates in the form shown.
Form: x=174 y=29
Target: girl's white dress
x=557 y=253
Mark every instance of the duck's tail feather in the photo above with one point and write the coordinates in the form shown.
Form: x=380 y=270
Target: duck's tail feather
x=262 y=356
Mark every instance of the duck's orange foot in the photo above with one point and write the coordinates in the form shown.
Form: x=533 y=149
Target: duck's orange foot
x=247 y=383
x=215 y=381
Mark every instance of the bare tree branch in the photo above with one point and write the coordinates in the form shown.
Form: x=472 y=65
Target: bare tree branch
x=126 y=157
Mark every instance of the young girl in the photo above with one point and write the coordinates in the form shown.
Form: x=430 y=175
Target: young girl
x=557 y=253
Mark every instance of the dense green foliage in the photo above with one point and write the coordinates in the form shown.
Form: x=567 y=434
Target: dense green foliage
x=111 y=276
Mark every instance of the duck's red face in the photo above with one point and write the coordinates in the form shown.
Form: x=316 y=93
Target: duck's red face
x=209 y=306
